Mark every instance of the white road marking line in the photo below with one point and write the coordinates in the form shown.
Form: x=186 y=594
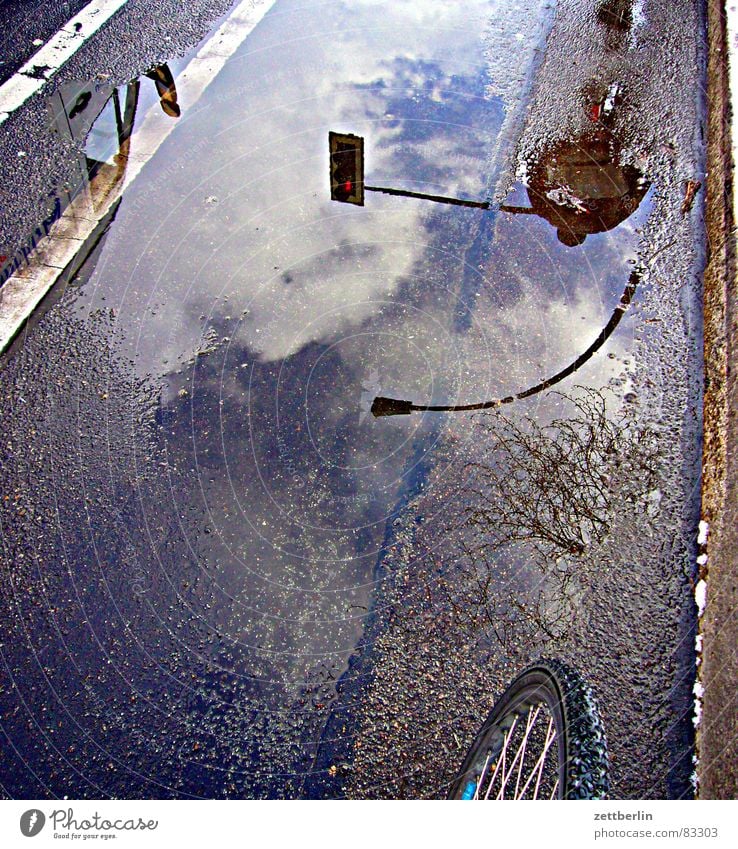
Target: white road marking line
x=42 y=66
x=27 y=287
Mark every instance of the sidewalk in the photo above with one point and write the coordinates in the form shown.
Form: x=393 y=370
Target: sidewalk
x=717 y=734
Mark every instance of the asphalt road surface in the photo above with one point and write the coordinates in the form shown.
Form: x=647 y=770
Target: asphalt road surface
x=222 y=575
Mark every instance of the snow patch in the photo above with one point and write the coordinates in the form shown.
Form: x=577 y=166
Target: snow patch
x=703 y=531
x=697 y=718
x=699 y=692
x=700 y=596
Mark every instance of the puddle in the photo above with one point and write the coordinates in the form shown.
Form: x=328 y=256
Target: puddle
x=240 y=492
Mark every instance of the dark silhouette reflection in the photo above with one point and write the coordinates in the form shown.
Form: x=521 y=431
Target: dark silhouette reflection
x=394 y=407
x=579 y=188
x=164 y=81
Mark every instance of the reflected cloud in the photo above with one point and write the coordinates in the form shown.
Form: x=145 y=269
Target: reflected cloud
x=266 y=316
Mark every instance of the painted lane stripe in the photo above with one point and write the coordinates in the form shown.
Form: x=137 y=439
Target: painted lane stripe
x=77 y=228
x=42 y=66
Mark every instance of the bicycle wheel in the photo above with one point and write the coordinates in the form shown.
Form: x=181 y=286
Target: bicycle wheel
x=542 y=740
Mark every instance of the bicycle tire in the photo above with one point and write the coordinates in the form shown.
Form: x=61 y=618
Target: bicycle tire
x=579 y=770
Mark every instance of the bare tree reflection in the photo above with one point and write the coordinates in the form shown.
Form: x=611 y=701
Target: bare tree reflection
x=551 y=486
x=540 y=501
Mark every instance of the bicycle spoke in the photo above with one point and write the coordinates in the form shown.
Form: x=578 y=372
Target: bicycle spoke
x=528 y=729
x=538 y=766
x=506 y=776
x=497 y=775
x=501 y=758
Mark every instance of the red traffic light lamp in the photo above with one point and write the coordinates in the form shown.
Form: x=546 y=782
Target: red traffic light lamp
x=347 y=175
x=347 y=167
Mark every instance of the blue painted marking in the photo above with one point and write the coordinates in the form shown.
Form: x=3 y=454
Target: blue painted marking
x=469 y=790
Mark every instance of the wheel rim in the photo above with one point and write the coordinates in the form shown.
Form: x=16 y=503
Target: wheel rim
x=547 y=727
x=519 y=756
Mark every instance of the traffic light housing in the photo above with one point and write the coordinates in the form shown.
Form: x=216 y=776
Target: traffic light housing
x=347 y=168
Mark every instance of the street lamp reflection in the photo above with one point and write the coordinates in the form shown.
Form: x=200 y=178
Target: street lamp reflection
x=394 y=407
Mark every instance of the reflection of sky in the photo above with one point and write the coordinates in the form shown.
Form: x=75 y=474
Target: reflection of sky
x=267 y=310
x=260 y=150
x=307 y=299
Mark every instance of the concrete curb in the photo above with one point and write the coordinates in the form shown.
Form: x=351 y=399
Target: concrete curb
x=717 y=733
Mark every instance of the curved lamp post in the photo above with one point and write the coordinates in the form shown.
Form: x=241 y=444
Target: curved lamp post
x=394 y=407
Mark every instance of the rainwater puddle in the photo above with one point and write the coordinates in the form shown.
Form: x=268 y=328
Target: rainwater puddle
x=246 y=323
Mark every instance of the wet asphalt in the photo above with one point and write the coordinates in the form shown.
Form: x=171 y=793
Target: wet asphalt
x=224 y=577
